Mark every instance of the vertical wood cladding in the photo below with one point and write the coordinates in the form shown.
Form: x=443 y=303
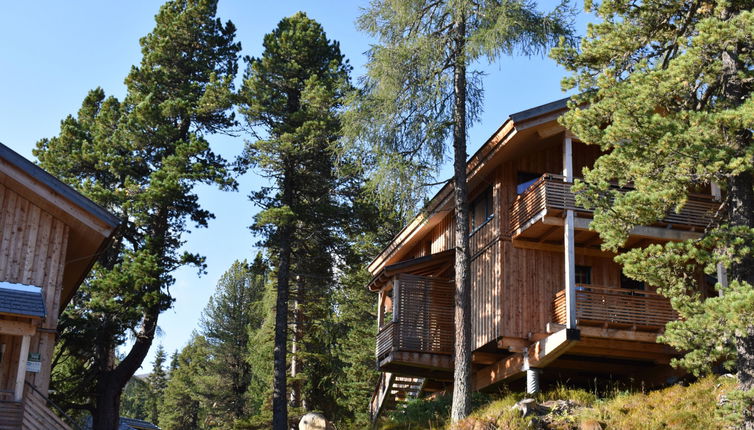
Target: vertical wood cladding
x=32 y=251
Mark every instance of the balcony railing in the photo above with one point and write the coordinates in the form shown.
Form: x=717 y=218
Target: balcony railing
x=423 y=317
x=599 y=305
x=551 y=193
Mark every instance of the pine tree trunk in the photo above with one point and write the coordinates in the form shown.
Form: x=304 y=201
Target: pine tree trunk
x=462 y=355
x=106 y=414
x=279 y=397
x=741 y=213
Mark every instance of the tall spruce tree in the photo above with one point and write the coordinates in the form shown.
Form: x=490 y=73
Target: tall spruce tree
x=141 y=159
x=185 y=405
x=419 y=93
x=666 y=93
x=292 y=94
x=157 y=381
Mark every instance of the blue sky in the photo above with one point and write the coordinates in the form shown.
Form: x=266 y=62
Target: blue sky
x=53 y=52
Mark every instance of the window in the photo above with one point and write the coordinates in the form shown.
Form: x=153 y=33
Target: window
x=584 y=275
x=481 y=209
x=524 y=180
x=631 y=284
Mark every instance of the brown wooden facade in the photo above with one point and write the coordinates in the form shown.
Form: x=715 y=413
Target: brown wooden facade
x=544 y=295
x=49 y=238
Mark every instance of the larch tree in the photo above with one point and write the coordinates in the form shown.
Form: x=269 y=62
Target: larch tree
x=291 y=95
x=141 y=159
x=420 y=92
x=666 y=93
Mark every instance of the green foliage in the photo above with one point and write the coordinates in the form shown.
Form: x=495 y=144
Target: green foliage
x=136 y=399
x=157 y=382
x=234 y=310
x=184 y=406
x=141 y=159
x=666 y=95
x=402 y=118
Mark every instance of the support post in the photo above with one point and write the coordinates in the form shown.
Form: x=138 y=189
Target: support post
x=380 y=309
x=532 y=380
x=568 y=239
x=23 y=357
x=396 y=298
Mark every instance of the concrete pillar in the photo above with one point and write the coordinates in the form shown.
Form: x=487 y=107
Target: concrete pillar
x=532 y=380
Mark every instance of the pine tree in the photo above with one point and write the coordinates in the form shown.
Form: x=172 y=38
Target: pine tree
x=156 y=382
x=233 y=311
x=136 y=399
x=184 y=406
x=419 y=93
x=666 y=93
x=292 y=94
x=141 y=159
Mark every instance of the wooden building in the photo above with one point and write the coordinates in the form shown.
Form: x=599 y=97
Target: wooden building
x=50 y=236
x=545 y=298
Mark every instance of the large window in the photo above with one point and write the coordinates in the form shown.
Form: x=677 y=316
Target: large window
x=481 y=209
x=524 y=180
x=631 y=284
x=584 y=275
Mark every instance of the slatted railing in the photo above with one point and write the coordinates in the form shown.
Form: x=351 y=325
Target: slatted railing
x=550 y=192
x=423 y=319
x=616 y=306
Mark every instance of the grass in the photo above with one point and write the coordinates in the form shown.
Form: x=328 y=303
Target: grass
x=678 y=407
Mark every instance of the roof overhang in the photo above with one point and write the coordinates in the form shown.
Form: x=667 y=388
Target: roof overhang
x=429 y=265
x=21 y=301
x=91 y=227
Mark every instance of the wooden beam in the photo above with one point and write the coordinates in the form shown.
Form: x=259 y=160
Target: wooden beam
x=590 y=252
x=17 y=328
x=23 y=357
x=514 y=344
x=485 y=358
x=642 y=231
x=548 y=349
x=507 y=368
x=570 y=271
x=609 y=333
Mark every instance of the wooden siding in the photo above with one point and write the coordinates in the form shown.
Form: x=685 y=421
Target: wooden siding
x=423 y=317
x=33 y=247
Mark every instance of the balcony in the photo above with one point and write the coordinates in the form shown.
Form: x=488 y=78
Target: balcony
x=533 y=212
x=421 y=325
x=615 y=307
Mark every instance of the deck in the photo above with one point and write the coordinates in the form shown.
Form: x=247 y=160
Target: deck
x=549 y=196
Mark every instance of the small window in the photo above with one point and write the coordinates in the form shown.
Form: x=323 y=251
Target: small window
x=631 y=284
x=524 y=180
x=481 y=209
x=584 y=275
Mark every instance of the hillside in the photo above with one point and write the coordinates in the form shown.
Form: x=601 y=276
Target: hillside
x=699 y=405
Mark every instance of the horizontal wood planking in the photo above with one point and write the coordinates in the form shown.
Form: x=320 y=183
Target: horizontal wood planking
x=550 y=192
x=37 y=416
x=598 y=305
x=425 y=317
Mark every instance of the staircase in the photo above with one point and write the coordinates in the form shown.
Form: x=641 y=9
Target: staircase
x=392 y=393
x=11 y=415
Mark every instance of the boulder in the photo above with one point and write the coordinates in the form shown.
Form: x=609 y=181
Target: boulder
x=314 y=421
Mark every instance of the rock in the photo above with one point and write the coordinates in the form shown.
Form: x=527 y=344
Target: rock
x=529 y=407
x=314 y=421
x=590 y=425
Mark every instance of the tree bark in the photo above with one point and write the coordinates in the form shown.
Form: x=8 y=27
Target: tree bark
x=280 y=368
x=741 y=213
x=462 y=354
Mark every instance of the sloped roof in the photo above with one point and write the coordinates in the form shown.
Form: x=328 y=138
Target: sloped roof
x=22 y=303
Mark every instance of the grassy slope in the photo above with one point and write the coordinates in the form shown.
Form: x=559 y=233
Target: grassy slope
x=677 y=407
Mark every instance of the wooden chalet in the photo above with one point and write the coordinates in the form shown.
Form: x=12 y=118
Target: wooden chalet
x=545 y=298
x=50 y=236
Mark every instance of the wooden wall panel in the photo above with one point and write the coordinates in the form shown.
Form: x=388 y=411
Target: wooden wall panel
x=530 y=278
x=33 y=247
x=443 y=235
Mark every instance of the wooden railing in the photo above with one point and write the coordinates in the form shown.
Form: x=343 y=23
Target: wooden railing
x=39 y=416
x=381 y=391
x=615 y=306
x=423 y=321
x=550 y=192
